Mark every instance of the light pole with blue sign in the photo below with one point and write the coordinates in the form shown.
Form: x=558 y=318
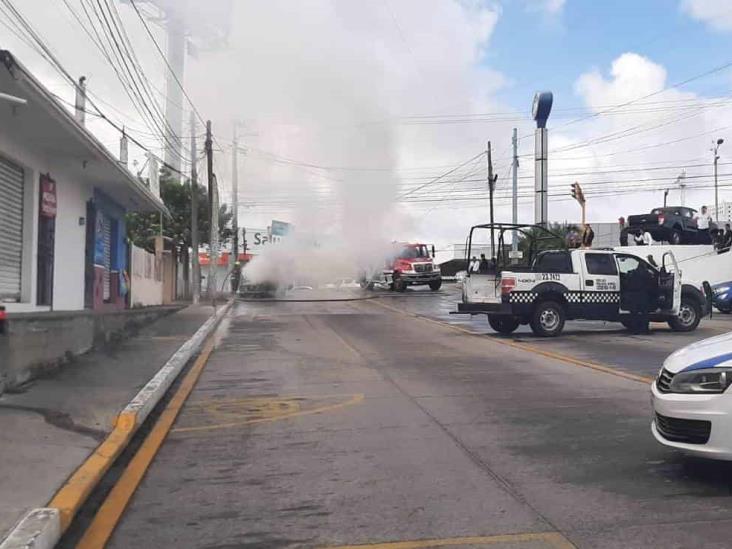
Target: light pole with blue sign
x=540 y=111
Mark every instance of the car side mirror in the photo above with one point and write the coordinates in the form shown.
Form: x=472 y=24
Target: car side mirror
x=433 y=250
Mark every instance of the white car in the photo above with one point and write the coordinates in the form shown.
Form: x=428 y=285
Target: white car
x=691 y=401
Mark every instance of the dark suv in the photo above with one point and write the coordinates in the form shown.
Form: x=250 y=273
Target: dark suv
x=675 y=225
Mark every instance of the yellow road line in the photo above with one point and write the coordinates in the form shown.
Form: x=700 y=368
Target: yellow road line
x=355 y=399
x=524 y=347
x=553 y=539
x=108 y=515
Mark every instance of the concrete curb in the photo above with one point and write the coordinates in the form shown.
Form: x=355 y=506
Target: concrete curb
x=39 y=529
x=42 y=528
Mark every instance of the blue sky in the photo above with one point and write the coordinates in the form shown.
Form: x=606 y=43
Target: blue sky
x=536 y=50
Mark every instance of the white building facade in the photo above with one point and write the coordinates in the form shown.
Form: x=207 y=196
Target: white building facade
x=63 y=199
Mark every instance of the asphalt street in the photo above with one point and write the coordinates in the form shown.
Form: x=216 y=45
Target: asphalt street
x=341 y=424
x=595 y=341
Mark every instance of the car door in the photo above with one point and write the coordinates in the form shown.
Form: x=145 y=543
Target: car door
x=600 y=285
x=670 y=284
x=630 y=292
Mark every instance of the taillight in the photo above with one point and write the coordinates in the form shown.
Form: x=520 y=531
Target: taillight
x=507 y=285
x=661 y=219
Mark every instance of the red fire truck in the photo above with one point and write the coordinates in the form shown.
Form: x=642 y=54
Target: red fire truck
x=410 y=264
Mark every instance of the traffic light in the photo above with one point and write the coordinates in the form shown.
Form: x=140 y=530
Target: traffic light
x=577 y=193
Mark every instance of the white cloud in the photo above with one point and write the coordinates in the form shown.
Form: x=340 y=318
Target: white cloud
x=552 y=7
x=715 y=13
x=651 y=139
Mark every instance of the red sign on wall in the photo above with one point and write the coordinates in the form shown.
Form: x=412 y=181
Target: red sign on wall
x=48 y=197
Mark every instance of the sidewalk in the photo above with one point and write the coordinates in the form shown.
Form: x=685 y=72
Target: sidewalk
x=49 y=429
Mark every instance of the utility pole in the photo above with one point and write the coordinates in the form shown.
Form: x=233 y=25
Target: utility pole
x=196 y=276
x=213 y=225
x=491 y=187
x=715 y=150
x=173 y=92
x=235 y=197
x=514 y=217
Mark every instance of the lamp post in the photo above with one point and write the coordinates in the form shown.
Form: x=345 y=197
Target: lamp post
x=715 y=150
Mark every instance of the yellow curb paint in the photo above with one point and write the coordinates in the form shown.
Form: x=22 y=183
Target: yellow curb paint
x=108 y=515
x=552 y=539
x=354 y=399
x=524 y=347
x=72 y=495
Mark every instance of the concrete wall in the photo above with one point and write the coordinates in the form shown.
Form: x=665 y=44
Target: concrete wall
x=34 y=343
x=68 y=273
x=146 y=285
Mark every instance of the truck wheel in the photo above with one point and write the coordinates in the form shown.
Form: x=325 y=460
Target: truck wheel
x=503 y=324
x=548 y=319
x=435 y=285
x=675 y=237
x=690 y=314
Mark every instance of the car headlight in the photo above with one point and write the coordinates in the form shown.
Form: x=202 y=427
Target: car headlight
x=708 y=380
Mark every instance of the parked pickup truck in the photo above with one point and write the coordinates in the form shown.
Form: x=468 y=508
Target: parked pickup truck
x=556 y=285
x=675 y=225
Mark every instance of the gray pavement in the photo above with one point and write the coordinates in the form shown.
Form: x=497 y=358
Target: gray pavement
x=335 y=424
x=605 y=343
x=50 y=427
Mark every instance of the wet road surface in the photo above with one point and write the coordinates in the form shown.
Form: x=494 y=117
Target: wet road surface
x=338 y=424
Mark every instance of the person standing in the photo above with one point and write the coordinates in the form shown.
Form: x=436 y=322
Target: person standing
x=703 y=223
x=623 y=232
x=588 y=235
x=474 y=265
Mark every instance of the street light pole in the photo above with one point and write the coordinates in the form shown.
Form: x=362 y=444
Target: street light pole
x=716 y=183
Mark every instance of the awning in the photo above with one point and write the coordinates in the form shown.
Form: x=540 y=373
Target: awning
x=46 y=127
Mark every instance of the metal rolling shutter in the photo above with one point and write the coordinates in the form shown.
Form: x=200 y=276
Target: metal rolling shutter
x=11 y=230
x=107 y=257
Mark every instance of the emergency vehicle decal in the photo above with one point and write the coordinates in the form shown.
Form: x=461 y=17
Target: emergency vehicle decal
x=571 y=297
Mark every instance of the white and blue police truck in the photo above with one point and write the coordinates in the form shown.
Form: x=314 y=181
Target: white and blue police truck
x=547 y=287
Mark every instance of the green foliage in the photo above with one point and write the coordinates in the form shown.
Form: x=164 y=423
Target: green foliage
x=543 y=241
x=143 y=227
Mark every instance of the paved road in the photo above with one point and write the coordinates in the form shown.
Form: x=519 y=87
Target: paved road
x=347 y=423
x=594 y=341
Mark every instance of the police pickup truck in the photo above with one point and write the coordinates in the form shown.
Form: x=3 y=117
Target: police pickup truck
x=556 y=285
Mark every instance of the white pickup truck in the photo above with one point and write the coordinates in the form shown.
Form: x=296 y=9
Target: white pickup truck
x=558 y=285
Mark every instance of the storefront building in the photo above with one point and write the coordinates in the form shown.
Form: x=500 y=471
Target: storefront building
x=63 y=200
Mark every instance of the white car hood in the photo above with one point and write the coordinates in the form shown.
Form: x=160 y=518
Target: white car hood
x=707 y=353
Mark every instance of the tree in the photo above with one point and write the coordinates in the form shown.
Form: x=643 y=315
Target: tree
x=560 y=237
x=143 y=228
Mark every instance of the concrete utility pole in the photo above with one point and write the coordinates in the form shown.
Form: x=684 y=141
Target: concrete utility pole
x=196 y=275
x=80 y=102
x=173 y=92
x=514 y=217
x=212 y=217
x=491 y=187
x=715 y=150
x=235 y=197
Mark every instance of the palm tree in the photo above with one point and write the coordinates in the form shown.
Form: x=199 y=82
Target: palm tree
x=558 y=236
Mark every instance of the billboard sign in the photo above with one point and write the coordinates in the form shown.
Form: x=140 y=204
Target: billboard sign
x=280 y=228
x=258 y=239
